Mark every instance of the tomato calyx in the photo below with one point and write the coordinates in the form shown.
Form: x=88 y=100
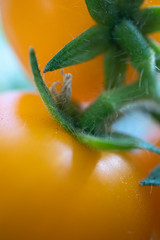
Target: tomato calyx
x=107 y=141
x=153 y=178
x=88 y=45
x=120 y=35
x=112 y=16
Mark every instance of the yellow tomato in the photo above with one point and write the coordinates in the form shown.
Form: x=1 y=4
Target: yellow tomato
x=52 y=187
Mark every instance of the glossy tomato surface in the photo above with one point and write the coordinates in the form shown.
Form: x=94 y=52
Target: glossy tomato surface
x=147 y=162
x=152 y=161
x=156 y=206
x=48 y=25
x=52 y=187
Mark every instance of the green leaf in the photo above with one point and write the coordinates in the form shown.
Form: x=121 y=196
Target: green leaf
x=103 y=11
x=115 y=61
x=148 y=20
x=88 y=45
x=113 y=142
x=128 y=7
x=153 y=179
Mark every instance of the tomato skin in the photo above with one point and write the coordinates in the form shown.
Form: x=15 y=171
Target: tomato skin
x=156 y=210
x=155 y=194
x=147 y=162
x=52 y=187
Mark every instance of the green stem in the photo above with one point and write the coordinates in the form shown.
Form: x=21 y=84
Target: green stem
x=141 y=55
x=114 y=67
x=156 y=48
x=108 y=103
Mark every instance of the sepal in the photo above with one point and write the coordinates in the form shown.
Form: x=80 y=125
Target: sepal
x=153 y=179
x=148 y=20
x=103 y=11
x=129 y=7
x=115 y=141
x=115 y=66
x=108 y=142
x=142 y=56
x=86 y=46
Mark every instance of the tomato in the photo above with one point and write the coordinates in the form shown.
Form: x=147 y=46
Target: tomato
x=156 y=201
x=48 y=25
x=155 y=193
x=147 y=161
x=52 y=187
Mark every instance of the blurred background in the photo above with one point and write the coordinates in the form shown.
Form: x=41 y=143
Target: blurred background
x=12 y=75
